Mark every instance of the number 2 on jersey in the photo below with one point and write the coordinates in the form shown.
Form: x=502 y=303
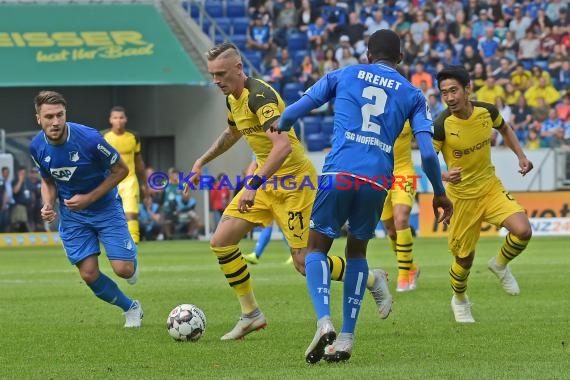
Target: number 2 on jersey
x=373 y=109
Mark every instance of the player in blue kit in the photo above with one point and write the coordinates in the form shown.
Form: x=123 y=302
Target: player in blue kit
x=371 y=103
x=81 y=170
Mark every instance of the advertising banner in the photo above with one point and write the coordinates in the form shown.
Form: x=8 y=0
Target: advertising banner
x=30 y=239
x=549 y=214
x=87 y=44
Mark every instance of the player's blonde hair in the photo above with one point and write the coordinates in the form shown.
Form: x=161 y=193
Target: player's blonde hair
x=223 y=50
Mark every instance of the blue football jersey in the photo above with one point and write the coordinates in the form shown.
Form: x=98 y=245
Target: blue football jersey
x=371 y=104
x=78 y=165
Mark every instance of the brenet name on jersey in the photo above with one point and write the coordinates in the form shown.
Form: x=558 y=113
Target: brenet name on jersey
x=371 y=102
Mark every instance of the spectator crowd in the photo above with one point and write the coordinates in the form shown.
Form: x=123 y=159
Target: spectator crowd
x=164 y=214
x=515 y=51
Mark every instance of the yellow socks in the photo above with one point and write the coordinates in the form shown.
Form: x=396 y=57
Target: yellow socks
x=404 y=245
x=458 y=278
x=512 y=247
x=133 y=226
x=235 y=269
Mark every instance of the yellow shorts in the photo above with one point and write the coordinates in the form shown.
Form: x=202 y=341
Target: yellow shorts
x=129 y=192
x=398 y=196
x=291 y=209
x=468 y=214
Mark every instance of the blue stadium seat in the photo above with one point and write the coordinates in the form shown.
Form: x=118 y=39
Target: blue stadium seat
x=206 y=26
x=297 y=41
x=254 y=57
x=276 y=86
x=240 y=25
x=327 y=125
x=311 y=125
x=299 y=56
x=192 y=9
x=311 y=129
x=214 y=8
x=219 y=39
x=236 y=8
x=225 y=24
x=542 y=64
x=313 y=119
x=239 y=41
x=527 y=64
x=292 y=92
x=316 y=142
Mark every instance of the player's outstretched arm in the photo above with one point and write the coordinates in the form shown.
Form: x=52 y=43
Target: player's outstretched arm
x=224 y=142
x=80 y=201
x=512 y=142
x=430 y=164
x=296 y=110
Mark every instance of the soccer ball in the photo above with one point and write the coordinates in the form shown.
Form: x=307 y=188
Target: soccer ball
x=186 y=323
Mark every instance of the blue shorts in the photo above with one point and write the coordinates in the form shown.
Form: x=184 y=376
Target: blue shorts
x=82 y=231
x=337 y=202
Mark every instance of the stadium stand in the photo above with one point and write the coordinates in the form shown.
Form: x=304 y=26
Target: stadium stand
x=534 y=35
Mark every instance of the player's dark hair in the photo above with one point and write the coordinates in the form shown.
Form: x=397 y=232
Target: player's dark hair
x=220 y=49
x=454 y=72
x=384 y=44
x=49 y=97
x=118 y=109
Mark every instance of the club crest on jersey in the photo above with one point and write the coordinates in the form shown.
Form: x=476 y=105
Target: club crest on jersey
x=64 y=173
x=128 y=244
x=74 y=156
x=267 y=111
x=47 y=159
x=104 y=150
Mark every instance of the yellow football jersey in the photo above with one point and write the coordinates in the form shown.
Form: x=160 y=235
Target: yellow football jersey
x=403 y=164
x=258 y=106
x=128 y=144
x=467 y=144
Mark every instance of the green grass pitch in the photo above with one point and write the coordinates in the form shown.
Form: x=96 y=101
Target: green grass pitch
x=52 y=327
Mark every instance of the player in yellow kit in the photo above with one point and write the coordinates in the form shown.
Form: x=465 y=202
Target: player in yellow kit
x=128 y=144
x=463 y=133
x=253 y=107
x=397 y=208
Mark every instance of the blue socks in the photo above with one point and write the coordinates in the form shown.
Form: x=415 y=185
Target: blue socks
x=263 y=240
x=107 y=290
x=354 y=287
x=319 y=282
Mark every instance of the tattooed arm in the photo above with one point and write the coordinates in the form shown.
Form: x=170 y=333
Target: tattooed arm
x=224 y=142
